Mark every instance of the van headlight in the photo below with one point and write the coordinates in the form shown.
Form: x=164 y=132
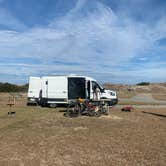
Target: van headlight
x=112 y=94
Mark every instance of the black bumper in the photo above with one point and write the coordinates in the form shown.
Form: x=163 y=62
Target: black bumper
x=113 y=102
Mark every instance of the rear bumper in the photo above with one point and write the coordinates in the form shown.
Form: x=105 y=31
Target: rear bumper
x=32 y=101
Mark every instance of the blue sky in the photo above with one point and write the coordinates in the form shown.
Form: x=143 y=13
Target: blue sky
x=120 y=41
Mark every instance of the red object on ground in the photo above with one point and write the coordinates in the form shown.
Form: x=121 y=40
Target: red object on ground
x=127 y=108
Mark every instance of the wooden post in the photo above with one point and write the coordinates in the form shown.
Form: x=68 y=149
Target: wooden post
x=11 y=102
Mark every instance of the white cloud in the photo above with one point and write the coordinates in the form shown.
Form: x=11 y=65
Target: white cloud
x=97 y=43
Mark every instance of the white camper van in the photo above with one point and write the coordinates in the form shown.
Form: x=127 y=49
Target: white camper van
x=34 y=90
x=61 y=89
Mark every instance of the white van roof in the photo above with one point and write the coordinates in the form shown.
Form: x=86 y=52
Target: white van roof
x=71 y=75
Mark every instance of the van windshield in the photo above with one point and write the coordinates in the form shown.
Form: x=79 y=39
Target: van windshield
x=100 y=85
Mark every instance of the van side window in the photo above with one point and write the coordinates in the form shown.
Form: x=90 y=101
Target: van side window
x=95 y=85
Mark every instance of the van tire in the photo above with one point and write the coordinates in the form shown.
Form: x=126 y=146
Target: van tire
x=53 y=105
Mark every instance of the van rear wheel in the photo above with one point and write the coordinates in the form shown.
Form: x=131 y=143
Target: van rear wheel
x=53 y=105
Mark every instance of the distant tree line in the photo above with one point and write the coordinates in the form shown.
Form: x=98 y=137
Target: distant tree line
x=7 y=87
x=143 y=83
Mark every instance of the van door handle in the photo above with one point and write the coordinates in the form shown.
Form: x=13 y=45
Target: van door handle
x=64 y=91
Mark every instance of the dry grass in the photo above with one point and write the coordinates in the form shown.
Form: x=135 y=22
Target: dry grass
x=130 y=102
x=158 y=90
x=42 y=136
x=20 y=98
x=122 y=94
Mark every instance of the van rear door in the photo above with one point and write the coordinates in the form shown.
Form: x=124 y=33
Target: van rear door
x=34 y=87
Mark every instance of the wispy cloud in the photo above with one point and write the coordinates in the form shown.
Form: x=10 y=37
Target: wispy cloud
x=100 y=42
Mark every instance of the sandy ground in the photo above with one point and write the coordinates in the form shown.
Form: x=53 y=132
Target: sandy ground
x=42 y=136
x=142 y=98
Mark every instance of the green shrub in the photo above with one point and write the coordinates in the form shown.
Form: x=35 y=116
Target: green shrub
x=7 y=87
x=143 y=83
